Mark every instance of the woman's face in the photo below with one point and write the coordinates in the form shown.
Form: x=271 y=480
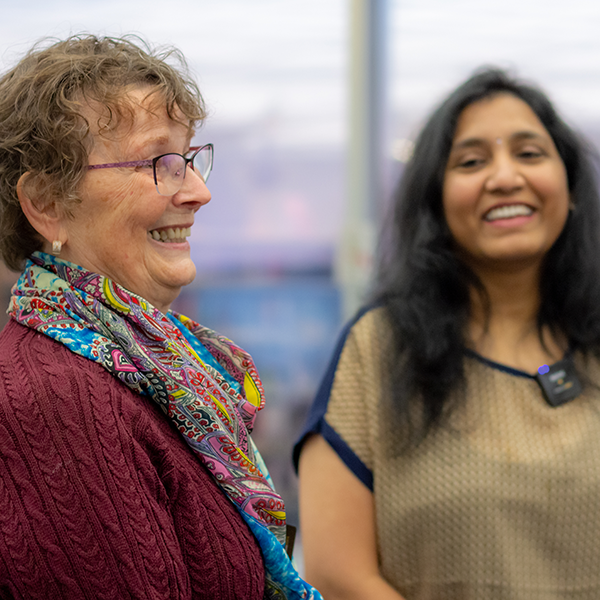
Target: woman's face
x=505 y=195
x=110 y=231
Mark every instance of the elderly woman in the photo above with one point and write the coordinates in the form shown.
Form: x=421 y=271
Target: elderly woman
x=457 y=429
x=127 y=469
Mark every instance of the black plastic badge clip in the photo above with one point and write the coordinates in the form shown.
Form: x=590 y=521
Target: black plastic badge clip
x=559 y=382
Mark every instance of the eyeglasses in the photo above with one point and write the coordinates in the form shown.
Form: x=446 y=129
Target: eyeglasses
x=169 y=169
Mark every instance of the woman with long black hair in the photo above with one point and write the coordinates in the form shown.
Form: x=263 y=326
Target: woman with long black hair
x=453 y=448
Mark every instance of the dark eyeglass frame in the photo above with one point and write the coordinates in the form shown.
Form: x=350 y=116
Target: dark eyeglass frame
x=152 y=162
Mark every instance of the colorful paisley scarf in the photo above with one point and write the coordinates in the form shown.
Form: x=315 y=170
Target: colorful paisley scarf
x=204 y=383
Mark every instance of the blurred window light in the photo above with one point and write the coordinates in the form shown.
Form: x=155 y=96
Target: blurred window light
x=402 y=150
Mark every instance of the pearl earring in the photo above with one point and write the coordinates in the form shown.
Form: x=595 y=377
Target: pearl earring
x=56 y=247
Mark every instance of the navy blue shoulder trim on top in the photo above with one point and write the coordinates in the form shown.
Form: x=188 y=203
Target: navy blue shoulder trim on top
x=316 y=423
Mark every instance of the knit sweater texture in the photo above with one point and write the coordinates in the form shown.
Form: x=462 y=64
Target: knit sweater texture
x=100 y=497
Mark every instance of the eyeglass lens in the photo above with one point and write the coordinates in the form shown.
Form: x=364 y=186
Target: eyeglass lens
x=170 y=170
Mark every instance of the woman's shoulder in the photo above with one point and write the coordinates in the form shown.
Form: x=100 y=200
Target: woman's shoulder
x=68 y=393
x=42 y=375
x=344 y=404
x=31 y=362
x=55 y=402
x=369 y=326
x=373 y=325
x=12 y=337
x=360 y=344
x=365 y=345
x=18 y=343
x=372 y=316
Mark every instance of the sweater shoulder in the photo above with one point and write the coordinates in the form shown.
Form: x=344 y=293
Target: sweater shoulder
x=22 y=346
x=25 y=353
x=36 y=368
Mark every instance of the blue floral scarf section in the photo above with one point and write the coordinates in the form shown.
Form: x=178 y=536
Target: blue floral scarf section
x=203 y=382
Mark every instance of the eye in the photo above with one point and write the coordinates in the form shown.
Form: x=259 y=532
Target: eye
x=469 y=163
x=531 y=154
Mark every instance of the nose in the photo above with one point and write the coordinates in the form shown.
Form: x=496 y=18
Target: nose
x=505 y=176
x=193 y=191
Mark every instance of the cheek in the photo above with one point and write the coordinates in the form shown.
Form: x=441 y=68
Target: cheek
x=554 y=191
x=461 y=191
x=562 y=193
x=133 y=212
x=457 y=201
x=552 y=183
x=141 y=201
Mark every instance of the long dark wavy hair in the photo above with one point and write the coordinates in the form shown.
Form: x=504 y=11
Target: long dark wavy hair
x=424 y=286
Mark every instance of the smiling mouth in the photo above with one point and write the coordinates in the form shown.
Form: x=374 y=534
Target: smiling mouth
x=171 y=235
x=508 y=211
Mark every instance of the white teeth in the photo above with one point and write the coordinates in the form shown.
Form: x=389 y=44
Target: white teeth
x=508 y=211
x=171 y=235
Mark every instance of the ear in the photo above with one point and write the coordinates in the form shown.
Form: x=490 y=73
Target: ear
x=44 y=215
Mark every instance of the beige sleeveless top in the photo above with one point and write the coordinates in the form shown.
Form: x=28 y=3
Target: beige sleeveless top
x=501 y=503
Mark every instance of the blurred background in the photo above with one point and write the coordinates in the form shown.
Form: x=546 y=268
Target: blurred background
x=313 y=106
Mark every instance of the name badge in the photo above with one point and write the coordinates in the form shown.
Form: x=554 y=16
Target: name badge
x=559 y=382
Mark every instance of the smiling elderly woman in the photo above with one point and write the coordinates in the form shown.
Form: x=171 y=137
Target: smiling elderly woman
x=126 y=465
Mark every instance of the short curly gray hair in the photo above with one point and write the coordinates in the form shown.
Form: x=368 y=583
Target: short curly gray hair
x=43 y=132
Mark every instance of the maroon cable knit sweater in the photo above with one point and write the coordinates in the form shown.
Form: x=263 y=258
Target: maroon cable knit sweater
x=100 y=497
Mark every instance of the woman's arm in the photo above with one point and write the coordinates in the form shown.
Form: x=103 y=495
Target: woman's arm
x=338 y=528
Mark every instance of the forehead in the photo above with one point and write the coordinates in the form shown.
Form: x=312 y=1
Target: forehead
x=138 y=112
x=498 y=115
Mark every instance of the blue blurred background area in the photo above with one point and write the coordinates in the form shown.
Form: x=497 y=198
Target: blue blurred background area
x=284 y=251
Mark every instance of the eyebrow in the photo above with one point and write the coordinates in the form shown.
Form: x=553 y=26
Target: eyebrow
x=157 y=142
x=518 y=136
x=154 y=141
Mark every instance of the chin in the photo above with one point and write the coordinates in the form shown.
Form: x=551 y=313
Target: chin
x=182 y=276
x=516 y=260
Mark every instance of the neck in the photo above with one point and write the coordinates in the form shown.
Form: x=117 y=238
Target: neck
x=508 y=333
x=514 y=298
